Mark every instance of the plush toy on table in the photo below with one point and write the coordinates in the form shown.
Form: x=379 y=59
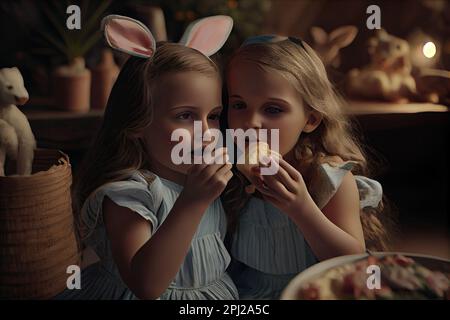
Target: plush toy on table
x=388 y=75
x=16 y=138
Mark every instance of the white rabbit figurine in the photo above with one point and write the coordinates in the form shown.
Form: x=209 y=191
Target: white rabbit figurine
x=16 y=138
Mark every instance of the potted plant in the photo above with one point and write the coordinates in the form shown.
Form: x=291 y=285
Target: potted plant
x=72 y=80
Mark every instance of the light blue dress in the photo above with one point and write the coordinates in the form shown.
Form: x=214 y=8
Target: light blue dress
x=268 y=249
x=202 y=274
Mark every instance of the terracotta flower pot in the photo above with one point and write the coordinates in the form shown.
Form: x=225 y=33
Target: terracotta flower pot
x=72 y=87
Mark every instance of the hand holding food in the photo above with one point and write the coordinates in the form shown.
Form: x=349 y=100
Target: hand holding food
x=250 y=160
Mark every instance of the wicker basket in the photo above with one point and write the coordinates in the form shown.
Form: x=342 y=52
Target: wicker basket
x=37 y=236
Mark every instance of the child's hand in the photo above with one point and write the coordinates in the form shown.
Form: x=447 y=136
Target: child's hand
x=286 y=189
x=205 y=182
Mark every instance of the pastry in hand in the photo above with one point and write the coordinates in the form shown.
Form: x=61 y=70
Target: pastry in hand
x=252 y=154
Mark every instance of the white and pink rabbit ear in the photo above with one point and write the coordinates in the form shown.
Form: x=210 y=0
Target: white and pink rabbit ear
x=208 y=35
x=128 y=35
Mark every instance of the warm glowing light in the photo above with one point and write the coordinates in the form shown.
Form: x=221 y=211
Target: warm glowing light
x=429 y=50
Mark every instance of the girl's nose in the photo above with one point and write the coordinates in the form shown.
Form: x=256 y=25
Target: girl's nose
x=205 y=129
x=253 y=121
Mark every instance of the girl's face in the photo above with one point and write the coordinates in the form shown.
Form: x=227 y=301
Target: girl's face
x=262 y=100
x=179 y=100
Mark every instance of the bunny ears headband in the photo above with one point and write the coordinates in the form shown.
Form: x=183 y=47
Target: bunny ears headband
x=128 y=35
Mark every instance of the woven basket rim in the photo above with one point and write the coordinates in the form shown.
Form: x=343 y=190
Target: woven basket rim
x=61 y=163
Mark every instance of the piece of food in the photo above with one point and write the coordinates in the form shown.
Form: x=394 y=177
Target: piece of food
x=401 y=278
x=250 y=159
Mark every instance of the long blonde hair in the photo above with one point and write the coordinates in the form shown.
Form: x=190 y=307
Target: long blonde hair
x=334 y=137
x=118 y=148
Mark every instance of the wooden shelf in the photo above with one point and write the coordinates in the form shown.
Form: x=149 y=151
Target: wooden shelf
x=58 y=129
x=70 y=131
x=358 y=107
x=382 y=116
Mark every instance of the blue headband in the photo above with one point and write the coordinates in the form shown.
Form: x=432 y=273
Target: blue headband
x=271 y=38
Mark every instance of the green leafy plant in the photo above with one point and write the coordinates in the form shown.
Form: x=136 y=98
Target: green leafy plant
x=59 y=40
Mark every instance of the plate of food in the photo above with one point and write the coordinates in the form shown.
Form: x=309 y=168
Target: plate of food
x=375 y=276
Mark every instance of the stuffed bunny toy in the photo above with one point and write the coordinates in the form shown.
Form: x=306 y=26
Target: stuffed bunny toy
x=327 y=46
x=16 y=138
x=388 y=76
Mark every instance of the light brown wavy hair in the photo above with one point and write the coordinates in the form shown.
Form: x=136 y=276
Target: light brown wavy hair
x=118 y=148
x=334 y=139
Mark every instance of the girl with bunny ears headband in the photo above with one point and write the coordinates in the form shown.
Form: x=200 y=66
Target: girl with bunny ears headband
x=157 y=227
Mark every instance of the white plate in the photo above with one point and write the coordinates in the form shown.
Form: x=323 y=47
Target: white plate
x=315 y=271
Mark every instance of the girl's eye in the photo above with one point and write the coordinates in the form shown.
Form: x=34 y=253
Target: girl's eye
x=238 y=105
x=215 y=117
x=184 y=116
x=273 y=110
